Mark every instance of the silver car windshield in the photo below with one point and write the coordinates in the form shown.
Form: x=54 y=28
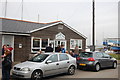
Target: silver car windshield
x=39 y=58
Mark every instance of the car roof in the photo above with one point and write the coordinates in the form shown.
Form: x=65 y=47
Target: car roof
x=51 y=53
x=93 y=52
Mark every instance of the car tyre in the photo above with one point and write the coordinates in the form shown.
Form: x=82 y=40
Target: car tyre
x=71 y=70
x=37 y=75
x=97 y=67
x=114 y=65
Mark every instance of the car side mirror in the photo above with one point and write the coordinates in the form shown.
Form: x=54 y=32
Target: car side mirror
x=110 y=57
x=49 y=61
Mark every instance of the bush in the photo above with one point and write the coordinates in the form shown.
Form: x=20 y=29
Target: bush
x=117 y=56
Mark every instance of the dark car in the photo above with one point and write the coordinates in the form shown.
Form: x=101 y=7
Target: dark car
x=95 y=61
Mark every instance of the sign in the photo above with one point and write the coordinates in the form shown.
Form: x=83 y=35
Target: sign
x=20 y=45
x=60 y=36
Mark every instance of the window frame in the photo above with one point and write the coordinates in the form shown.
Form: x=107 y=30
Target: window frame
x=40 y=44
x=104 y=55
x=63 y=54
x=99 y=55
x=53 y=55
x=47 y=44
x=79 y=41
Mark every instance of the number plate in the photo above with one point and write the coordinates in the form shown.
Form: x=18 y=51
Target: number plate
x=82 y=64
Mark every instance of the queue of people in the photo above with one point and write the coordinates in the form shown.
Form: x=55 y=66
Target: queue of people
x=6 y=62
x=61 y=49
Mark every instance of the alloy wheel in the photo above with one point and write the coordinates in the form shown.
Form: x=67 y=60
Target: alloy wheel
x=37 y=75
x=71 y=70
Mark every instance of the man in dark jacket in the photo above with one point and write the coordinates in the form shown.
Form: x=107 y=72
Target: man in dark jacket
x=49 y=48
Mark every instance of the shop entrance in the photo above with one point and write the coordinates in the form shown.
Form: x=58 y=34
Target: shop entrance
x=60 y=42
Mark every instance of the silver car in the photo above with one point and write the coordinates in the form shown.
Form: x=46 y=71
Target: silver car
x=46 y=64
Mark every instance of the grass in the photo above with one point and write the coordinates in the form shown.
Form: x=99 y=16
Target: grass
x=117 y=56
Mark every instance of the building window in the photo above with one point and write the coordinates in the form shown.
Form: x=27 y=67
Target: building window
x=36 y=42
x=75 y=42
x=44 y=43
x=39 y=44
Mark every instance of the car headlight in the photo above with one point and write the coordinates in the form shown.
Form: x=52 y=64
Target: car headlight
x=25 y=69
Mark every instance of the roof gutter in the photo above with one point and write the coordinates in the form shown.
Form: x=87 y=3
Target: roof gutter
x=12 y=33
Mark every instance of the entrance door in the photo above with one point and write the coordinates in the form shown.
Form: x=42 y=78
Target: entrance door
x=8 y=40
x=60 y=42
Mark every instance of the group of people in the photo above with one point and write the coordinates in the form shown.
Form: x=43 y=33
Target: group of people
x=6 y=61
x=61 y=49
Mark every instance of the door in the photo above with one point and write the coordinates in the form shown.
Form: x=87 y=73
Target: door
x=99 y=56
x=60 y=42
x=107 y=59
x=52 y=67
x=64 y=62
x=8 y=40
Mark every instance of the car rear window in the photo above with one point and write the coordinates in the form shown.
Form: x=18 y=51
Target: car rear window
x=86 y=54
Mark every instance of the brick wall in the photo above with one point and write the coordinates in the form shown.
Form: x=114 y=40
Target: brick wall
x=22 y=54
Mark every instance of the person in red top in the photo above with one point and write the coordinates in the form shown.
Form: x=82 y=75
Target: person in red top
x=6 y=62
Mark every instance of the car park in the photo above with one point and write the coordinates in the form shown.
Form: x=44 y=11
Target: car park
x=45 y=64
x=95 y=61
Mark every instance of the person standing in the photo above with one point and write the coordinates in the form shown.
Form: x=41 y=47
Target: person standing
x=6 y=62
x=76 y=51
x=58 y=49
x=49 y=48
x=62 y=50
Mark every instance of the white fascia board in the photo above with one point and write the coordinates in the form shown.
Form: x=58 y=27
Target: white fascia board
x=45 y=27
x=7 y=33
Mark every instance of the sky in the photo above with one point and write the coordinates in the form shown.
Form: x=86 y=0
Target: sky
x=75 y=13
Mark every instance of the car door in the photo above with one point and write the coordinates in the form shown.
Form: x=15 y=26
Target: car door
x=52 y=67
x=108 y=61
x=64 y=62
x=99 y=56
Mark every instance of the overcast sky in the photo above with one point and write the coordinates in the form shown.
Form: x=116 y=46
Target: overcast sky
x=75 y=13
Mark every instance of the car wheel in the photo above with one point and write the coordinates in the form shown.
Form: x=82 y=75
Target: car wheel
x=114 y=65
x=71 y=70
x=37 y=75
x=97 y=67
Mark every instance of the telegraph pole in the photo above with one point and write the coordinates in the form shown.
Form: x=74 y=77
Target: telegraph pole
x=93 y=29
x=5 y=9
x=22 y=11
x=38 y=17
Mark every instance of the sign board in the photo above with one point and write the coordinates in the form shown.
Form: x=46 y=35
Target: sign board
x=60 y=36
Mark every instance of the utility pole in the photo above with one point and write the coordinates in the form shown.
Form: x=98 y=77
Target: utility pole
x=5 y=9
x=93 y=29
x=38 y=17
x=22 y=11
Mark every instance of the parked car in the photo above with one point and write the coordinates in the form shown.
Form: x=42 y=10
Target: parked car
x=95 y=61
x=46 y=64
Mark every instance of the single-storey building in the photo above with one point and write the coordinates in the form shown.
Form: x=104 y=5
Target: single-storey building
x=29 y=37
